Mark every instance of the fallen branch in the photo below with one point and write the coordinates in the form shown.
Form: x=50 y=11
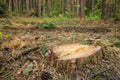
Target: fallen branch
x=30 y=50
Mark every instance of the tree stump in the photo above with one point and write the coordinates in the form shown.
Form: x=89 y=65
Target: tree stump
x=68 y=56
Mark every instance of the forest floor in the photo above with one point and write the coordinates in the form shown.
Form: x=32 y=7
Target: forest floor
x=23 y=49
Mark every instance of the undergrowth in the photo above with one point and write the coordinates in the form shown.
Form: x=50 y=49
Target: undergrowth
x=115 y=41
x=46 y=25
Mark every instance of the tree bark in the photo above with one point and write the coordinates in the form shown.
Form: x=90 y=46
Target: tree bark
x=49 y=7
x=68 y=6
x=27 y=8
x=19 y=7
x=39 y=8
x=93 y=6
x=10 y=5
x=63 y=6
x=77 y=8
x=114 y=9
x=44 y=8
x=82 y=6
x=103 y=9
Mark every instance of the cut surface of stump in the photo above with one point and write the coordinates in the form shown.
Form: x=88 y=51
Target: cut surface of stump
x=74 y=51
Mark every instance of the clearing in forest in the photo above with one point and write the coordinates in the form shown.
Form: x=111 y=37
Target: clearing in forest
x=25 y=47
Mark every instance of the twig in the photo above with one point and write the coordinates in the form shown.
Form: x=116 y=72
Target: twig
x=30 y=50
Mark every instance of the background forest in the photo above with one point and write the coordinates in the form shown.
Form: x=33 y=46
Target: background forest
x=95 y=9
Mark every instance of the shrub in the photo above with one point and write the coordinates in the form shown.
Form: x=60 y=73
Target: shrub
x=46 y=25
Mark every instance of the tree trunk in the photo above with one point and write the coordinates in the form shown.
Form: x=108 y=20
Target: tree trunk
x=19 y=7
x=60 y=7
x=93 y=6
x=106 y=10
x=10 y=5
x=49 y=7
x=68 y=6
x=114 y=9
x=63 y=6
x=103 y=9
x=82 y=6
x=77 y=8
x=27 y=8
x=44 y=8
x=39 y=8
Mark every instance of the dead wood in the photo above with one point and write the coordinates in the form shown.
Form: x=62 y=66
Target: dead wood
x=30 y=50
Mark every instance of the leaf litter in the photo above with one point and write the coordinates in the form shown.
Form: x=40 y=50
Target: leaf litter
x=28 y=54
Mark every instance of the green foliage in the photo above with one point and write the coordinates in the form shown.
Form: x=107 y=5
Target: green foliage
x=46 y=25
x=56 y=8
x=117 y=44
x=114 y=29
x=83 y=40
x=1 y=35
x=44 y=48
x=62 y=16
x=7 y=36
x=115 y=41
x=43 y=51
x=1 y=24
x=96 y=13
x=110 y=1
x=3 y=7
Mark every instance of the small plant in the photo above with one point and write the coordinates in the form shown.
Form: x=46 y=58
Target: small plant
x=117 y=44
x=46 y=25
x=115 y=41
x=43 y=50
x=114 y=29
x=1 y=35
x=1 y=24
